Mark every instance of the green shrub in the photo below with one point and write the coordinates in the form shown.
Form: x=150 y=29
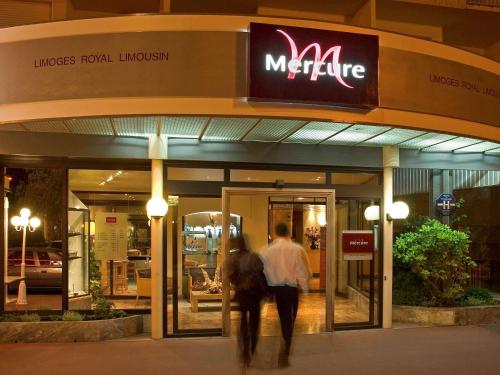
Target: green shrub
x=408 y=289
x=438 y=258
x=10 y=318
x=72 y=316
x=118 y=314
x=29 y=317
x=475 y=296
x=55 y=318
x=103 y=308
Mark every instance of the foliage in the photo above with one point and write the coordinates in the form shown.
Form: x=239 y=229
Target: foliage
x=475 y=296
x=44 y=308
x=42 y=192
x=438 y=258
x=29 y=317
x=72 y=316
x=103 y=308
x=95 y=278
x=409 y=290
x=118 y=314
x=10 y=318
x=55 y=318
x=312 y=235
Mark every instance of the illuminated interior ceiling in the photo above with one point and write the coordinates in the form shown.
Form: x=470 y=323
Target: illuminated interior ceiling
x=244 y=129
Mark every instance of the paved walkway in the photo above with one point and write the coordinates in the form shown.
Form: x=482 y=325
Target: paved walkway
x=423 y=351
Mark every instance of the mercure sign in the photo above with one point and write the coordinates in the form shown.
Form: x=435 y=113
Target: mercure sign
x=293 y=64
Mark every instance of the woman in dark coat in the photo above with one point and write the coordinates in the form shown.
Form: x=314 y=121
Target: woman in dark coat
x=246 y=273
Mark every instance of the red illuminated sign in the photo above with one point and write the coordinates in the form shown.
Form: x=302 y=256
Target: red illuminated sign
x=111 y=220
x=293 y=64
x=357 y=244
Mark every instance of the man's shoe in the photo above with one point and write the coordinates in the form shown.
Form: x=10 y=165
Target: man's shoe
x=283 y=361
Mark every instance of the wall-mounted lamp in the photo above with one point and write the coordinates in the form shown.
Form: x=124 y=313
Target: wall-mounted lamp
x=157 y=208
x=372 y=213
x=398 y=210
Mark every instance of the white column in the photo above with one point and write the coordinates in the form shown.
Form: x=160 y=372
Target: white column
x=157 y=152
x=390 y=161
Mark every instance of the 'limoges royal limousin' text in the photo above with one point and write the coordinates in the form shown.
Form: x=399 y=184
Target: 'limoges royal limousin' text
x=101 y=58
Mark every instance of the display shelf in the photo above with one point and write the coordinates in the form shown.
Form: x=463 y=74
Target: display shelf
x=78 y=251
x=197 y=252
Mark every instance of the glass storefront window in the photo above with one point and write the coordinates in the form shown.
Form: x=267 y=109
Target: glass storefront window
x=40 y=191
x=109 y=238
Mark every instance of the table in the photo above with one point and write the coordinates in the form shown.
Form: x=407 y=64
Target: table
x=197 y=295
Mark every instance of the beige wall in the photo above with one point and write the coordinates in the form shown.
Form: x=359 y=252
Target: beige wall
x=430 y=32
x=397 y=70
x=254 y=211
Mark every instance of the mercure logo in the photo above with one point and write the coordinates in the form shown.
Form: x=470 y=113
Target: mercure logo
x=318 y=67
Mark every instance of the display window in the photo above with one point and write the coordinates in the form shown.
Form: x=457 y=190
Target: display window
x=33 y=233
x=109 y=238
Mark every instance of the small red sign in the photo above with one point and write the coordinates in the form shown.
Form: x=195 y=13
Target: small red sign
x=357 y=241
x=111 y=220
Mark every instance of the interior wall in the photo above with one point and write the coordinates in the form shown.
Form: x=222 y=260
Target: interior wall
x=254 y=211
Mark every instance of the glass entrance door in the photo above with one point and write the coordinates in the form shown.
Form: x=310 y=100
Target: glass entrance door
x=194 y=265
x=310 y=217
x=343 y=291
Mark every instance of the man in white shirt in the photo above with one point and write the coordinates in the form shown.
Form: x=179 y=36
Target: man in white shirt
x=286 y=268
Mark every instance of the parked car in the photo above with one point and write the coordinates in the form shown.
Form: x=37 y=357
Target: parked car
x=43 y=267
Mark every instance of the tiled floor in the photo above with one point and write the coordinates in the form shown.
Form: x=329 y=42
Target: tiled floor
x=310 y=317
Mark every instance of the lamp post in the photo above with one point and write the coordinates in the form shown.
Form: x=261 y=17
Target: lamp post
x=24 y=222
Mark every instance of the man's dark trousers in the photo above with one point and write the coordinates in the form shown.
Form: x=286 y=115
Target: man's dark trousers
x=287 y=302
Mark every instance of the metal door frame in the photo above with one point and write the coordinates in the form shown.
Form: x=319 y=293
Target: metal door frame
x=329 y=195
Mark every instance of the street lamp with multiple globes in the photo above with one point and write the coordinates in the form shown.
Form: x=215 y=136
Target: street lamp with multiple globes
x=24 y=222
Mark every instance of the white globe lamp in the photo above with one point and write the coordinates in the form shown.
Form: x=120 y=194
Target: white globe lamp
x=157 y=207
x=372 y=213
x=398 y=210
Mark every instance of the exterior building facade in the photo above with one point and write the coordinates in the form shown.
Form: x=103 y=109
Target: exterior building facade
x=240 y=118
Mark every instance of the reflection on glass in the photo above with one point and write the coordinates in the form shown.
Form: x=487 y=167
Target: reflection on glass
x=109 y=209
x=39 y=190
x=356 y=299
x=199 y=275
